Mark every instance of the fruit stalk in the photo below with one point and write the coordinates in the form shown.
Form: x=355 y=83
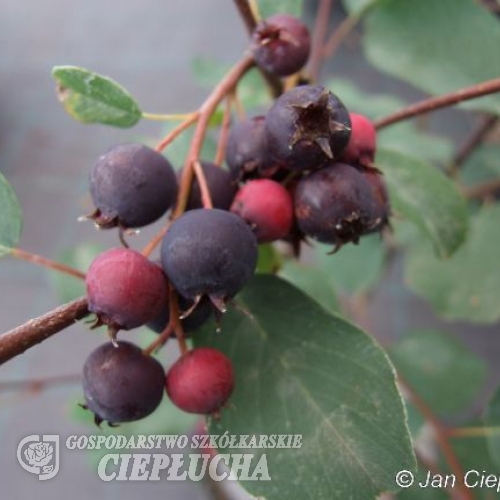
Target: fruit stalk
x=443 y=101
x=205 y=112
x=34 y=331
x=250 y=21
x=319 y=34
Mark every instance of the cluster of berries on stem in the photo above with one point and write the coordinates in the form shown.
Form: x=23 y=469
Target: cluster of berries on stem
x=304 y=169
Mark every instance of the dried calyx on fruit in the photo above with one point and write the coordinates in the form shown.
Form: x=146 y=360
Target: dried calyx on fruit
x=131 y=186
x=201 y=381
x=307 y=127
x=209 y=252
x=125 y=289
x=281 y=44
x=121 y=384
x=337 y=205
x=267 y=207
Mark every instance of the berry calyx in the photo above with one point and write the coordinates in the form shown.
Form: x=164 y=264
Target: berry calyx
x=201 y=381
x=220 y=185
x=335 y=205
x=125 y=289
x=131 y=186
x=362 y=143
x=121 y=384
x=307 y=127
x=209 y=252
x=267 y=207
x=281 y=44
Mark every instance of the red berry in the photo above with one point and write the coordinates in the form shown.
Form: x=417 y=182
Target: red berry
x=201 y=381
x=267 y=206
x=362 y=142
x=125 y=289
x=281 y=44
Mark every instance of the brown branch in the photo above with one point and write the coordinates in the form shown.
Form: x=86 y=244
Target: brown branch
x=474 y=140
x=339 y=35
x=203 y=115
x=444 y=101
x=224 y=131
x=177 y=131
x=225 y=86
x=18 y=253
x=246 y=14
x=319 y=34
x=37 y=384
x=482 y=190
x=37 y=330
x=206 y=198
x=441 y=435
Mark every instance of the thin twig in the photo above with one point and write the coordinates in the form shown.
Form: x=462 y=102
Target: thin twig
x=18 y=253
x=171 y=136
x=37 y=384
x=19 y=339
x=224 y=131
x=226 y=85
x=474 y=432
x=161 y=340
x=318 y=39
x=246 y=14
x=472 y=143
x=443 y=101
x=206 y=198
x=441 y=435
x=248 y=17
x=176 y=322
x=482 y=190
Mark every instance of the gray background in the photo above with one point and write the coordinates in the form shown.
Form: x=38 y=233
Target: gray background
x=147 y=46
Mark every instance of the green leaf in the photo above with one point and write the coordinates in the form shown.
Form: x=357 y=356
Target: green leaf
x=92 y=98
x=10 y=217
x=312 y=282
x=301 y=370
x=492 y=422
x=425 y=196
x=269 y=260
x=404 y=137
x=269 y=7
x=467 y=286
x=354 y=269
x=440 y=369
x=448 y=44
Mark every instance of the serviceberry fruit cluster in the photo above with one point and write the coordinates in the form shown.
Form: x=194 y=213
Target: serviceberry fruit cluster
x=303 y=169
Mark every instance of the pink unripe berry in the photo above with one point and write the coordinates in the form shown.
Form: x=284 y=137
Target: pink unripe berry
x=125 y=289
x=362 y=144
x=267 y=207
